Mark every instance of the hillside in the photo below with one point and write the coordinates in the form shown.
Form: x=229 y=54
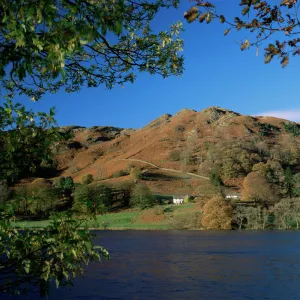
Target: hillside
x=170 y=147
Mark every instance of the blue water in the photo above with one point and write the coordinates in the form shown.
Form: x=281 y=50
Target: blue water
x=192 y=265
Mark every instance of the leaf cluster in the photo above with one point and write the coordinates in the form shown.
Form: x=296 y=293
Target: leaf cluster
x=31 y=259
x=26 y=140
x=46 y=45
x=264 y=21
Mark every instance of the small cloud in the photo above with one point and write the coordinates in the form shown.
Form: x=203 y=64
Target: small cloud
x=292 y=115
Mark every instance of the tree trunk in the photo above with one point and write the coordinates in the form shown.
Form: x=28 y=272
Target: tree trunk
x=240 y=225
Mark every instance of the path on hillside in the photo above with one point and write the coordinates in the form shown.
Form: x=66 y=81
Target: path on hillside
x=163 y=169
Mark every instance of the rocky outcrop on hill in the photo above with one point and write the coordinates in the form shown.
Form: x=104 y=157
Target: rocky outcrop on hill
x=98 y=134
x=215 y=114
x=164 y=119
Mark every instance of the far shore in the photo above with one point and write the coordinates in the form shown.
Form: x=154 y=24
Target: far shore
x=148 y=219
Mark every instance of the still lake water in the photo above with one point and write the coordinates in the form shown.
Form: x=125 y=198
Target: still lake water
x=192 y=265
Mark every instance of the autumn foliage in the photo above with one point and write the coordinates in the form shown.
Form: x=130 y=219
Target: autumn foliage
x=216 y=214
x=257 y=188
x=271 y=25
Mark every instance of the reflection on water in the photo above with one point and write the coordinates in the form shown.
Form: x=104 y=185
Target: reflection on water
x=192 y=265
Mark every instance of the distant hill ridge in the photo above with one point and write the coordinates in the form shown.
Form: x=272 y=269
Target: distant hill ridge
x=168 y=142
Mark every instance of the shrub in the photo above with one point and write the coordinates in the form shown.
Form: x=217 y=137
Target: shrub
x=179 y=128
x=187 y=221
x=292 y=128
x=135 y=174
x=175 y=155
x=120 y=173
x=40 y=182
x=187 y=157
x=267 y=129
x=87 y=179
x=186 y=199
x=159 y=210
x=65 y=183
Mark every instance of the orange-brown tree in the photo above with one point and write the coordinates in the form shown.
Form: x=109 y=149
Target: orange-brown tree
x=257 y=188
x=217 y=214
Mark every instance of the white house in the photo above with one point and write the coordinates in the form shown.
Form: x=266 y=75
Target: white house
x=178 y=200
x=236 y=197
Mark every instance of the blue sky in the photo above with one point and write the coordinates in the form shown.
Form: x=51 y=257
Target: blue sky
x=216 y=73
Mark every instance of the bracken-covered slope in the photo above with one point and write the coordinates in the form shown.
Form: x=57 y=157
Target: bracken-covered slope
x=187 y=142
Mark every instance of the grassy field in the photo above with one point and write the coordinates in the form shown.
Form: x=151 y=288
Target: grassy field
x=126 y=219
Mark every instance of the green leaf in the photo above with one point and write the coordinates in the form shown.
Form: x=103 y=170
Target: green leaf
x=118 y=27
x=20 y=42
x=245 y=10
x=222 y=19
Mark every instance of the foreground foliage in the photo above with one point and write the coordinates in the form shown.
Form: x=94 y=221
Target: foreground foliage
x=45 y=46
x=264 y=21
x=48 y=45
x=25 y=141
x=31 y=259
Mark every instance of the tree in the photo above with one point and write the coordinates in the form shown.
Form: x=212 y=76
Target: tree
x=255 y=217
x=217 y=214
x=25 y=140
x=66 y=187
x=257 y=188
x=142 y=196
x=263 y=20
x=287 y=213
x=296 y=188
x=239 y=216
x=296 y=211
x=35 y=201
x=122 y=193
x=87 y=179
x=283 y=214
x=215 y=179
x=92 y=199
x=37 y=257
x=288 y=182
x=261 y=168
x=275 y=172
x=48 y=45
x=65 y=183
